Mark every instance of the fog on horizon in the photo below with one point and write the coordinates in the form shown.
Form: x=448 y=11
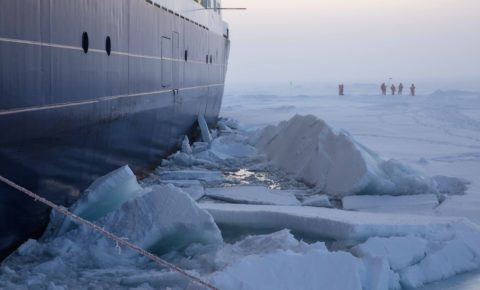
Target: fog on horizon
x=435 y=41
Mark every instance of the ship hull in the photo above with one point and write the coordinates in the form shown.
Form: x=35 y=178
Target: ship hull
x=68 y=116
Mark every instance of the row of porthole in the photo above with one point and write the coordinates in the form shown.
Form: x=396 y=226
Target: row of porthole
x=86 y=43
x=108 y=47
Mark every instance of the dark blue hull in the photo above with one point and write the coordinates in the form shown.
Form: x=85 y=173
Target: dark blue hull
x=68 y=116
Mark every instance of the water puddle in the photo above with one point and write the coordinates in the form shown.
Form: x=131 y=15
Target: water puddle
x=273 y=179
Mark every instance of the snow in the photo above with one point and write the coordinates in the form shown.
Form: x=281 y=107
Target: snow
x=253 y=195
x=334 y=162
x=400 y=204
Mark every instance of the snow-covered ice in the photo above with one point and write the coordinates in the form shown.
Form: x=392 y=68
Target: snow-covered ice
x=253 y=195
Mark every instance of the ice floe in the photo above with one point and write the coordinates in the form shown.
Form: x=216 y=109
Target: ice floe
x=400 y=252
x=386 y=203
x=335 y=163
x=418 y=249
x=450 y=258
x=349 y=227
x=253 y=195
x=289 y=270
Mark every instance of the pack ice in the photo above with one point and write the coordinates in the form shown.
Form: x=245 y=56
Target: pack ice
x=160 y=219
x=354 y=250
x=335 y=163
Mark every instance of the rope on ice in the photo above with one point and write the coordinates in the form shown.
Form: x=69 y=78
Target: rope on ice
x=116 y=239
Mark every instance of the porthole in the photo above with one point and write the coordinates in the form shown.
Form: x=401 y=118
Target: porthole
x=207 y=59
x=85 y=42
x=186 y=55
x=211 y=60
x=108 y=45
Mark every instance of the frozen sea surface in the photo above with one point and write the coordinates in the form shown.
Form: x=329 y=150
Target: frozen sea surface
x=435 y=133
x=378 y=251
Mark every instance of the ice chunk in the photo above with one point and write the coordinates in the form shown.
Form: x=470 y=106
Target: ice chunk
x=186 y=148
x=288 y=270
x=161 y=220
x=317 y=201
x=206 y=136
x=193 y=187
x=453 y=258
x=379 y=276
x=267 y=244
x=210 y=259
x=345 y=226
x=334 y=162
x=169 y=219
x=233 y=145
x=105 y=195
x=228 y=122
x=410 y=203
x=400 y=252
x=199 y=174
x=224 y=128
x=253 y=195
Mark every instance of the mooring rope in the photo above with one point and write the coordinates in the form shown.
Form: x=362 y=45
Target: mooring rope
x=118 y=240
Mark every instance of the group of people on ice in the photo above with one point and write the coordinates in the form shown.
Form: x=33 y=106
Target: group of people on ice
x=394 y=89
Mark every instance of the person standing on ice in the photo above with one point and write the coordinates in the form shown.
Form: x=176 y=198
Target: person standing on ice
x=383 y=87
x=412 y=90
x=341 y=90
x=393 y=89
x=400 y=89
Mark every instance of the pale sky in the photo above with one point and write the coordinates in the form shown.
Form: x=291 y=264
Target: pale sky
x=354 y=40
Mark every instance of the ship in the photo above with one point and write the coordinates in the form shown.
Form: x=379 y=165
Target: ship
x=88 y=86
